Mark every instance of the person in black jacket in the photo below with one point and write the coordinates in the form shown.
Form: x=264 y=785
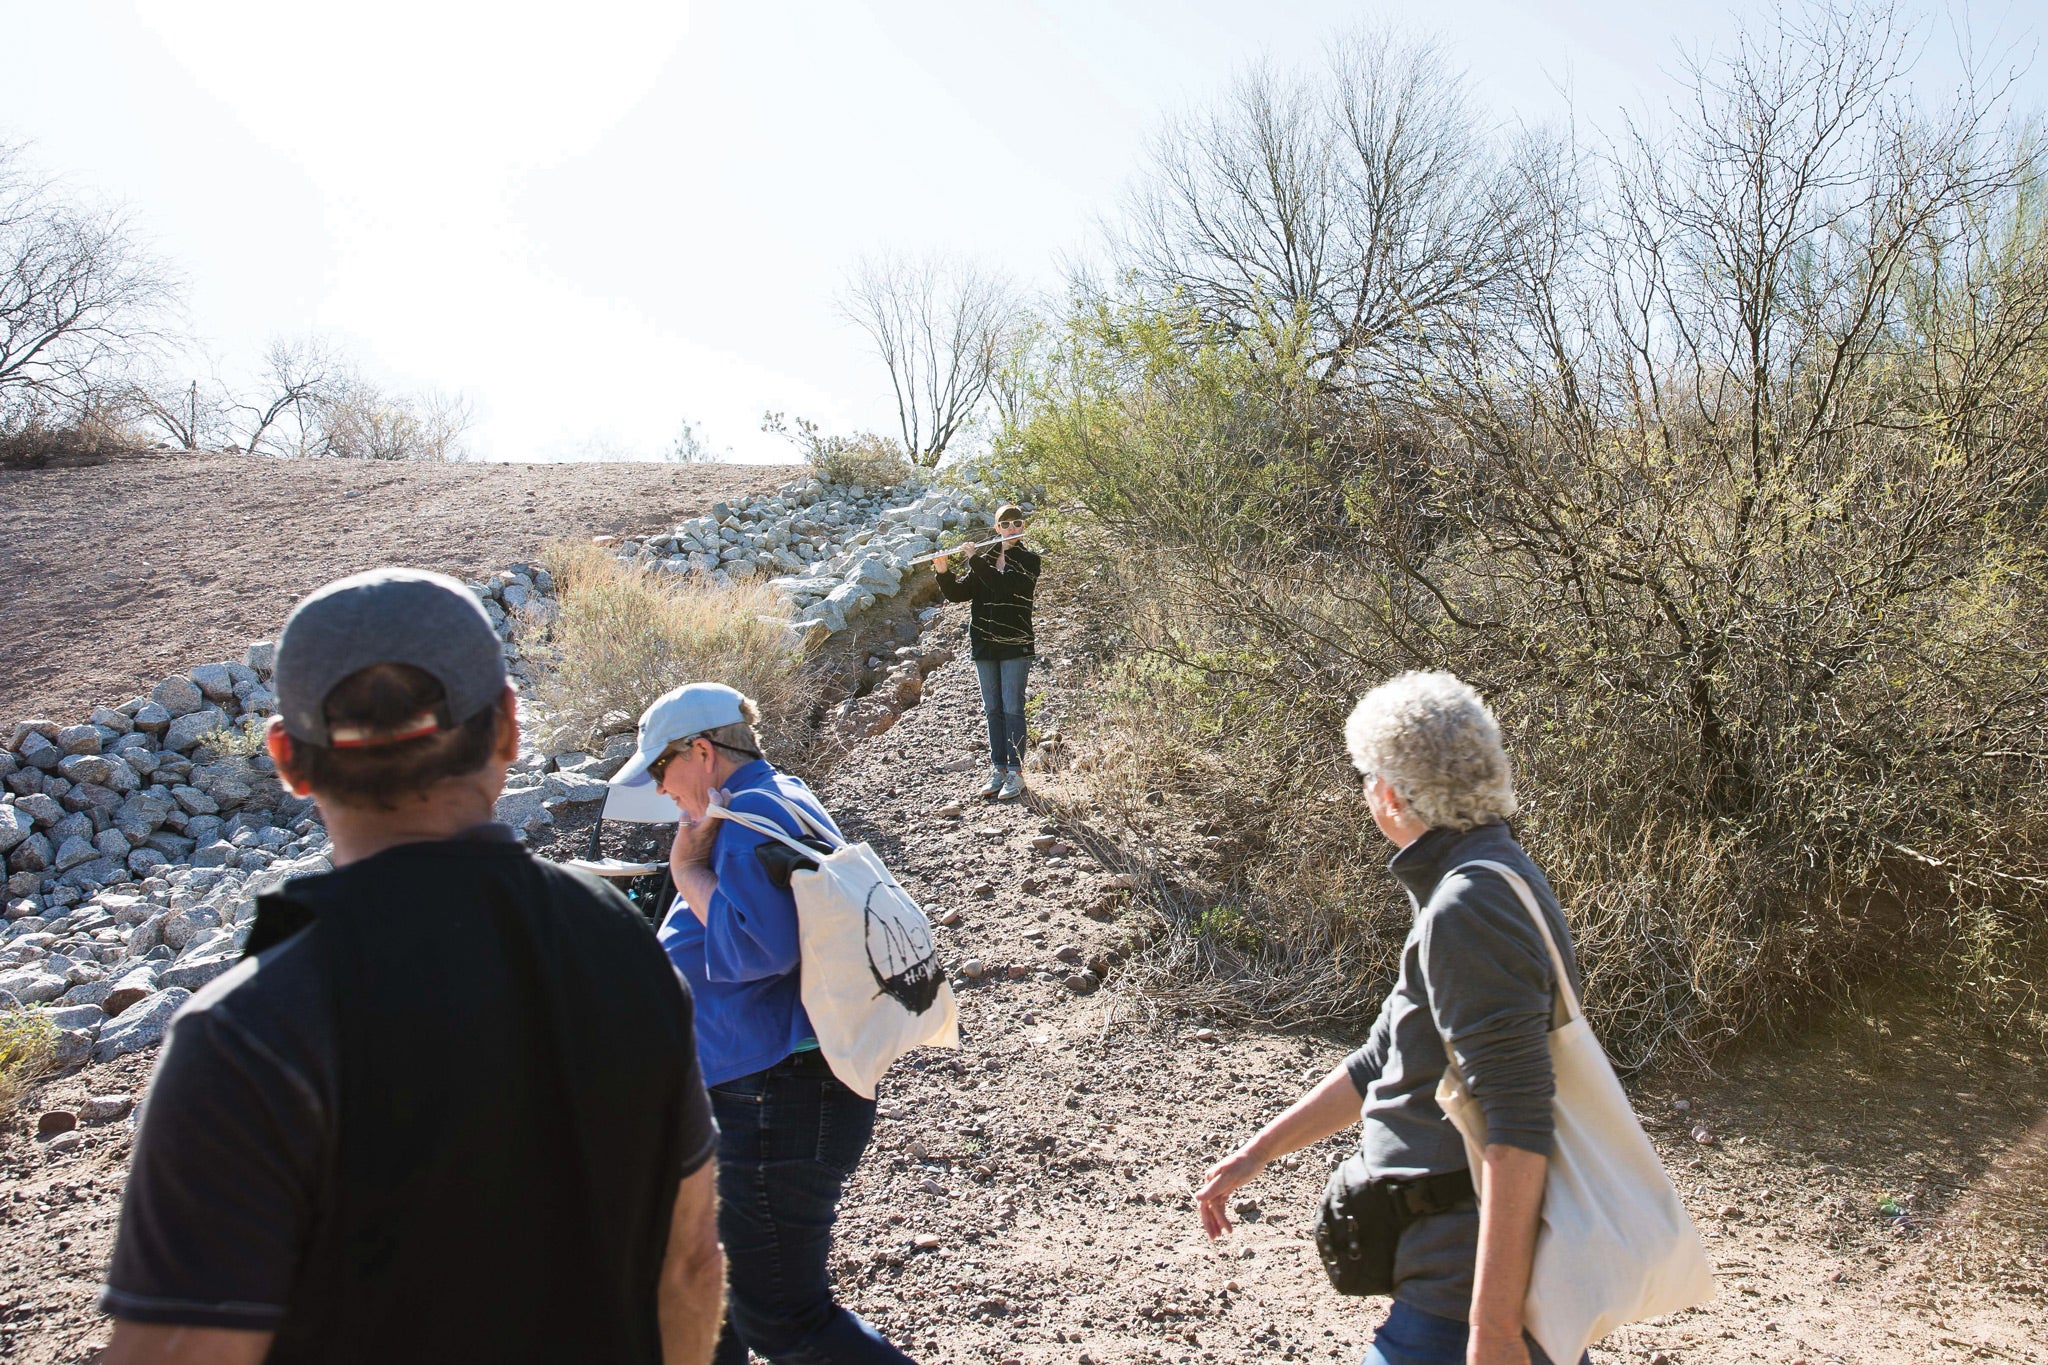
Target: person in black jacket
x=1000 y=582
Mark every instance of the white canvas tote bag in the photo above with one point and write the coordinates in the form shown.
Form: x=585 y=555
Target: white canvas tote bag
x=1615 y=1245
x=870 y=978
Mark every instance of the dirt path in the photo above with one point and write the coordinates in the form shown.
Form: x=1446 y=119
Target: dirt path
x=1052 y=1160
x=114 y=575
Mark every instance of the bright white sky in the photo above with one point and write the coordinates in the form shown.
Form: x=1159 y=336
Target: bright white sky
x=601 y=219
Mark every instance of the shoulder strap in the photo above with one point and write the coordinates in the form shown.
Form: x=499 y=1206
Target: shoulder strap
x=804 y=819
x=762 y=825
x=1528 y=899
x=759 y=824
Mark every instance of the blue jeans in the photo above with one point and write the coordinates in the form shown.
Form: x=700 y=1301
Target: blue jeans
x=788 y=1138
x=1410 y=1336
x=1002 y=701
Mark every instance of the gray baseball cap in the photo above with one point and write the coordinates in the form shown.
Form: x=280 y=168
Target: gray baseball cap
x=386 y=616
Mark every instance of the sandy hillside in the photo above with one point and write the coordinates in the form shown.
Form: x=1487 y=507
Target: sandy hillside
x=114 y=575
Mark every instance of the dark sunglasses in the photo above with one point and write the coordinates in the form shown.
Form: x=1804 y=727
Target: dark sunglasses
x=659 y=767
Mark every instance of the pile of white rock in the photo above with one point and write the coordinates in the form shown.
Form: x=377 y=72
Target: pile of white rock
x=829 y=551
x=134 y=845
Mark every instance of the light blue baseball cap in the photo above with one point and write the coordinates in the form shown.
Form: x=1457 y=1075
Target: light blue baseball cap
x=688 y=710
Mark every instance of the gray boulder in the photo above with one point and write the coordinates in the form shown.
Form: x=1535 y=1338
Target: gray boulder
x=73 y=826
x=524 y=809
x=142 y=814
x=33 y=855
x=77 y=1016
x=195 y=801
x=38 y=751
x=42 y=809
x=100 y=871
x=140 y=1026
x=111 y=719
x=261 y=656
x=92 y=993
x=148 y=935
x=48 y=729
x=187 y=730
x=573 y=789
x=111 y=843
x=216 y=682
x=219 y=853
x=91 y=796
x=86 y=767
x=15 y=827
x=178 y=695
x=227 y=782
x=153 y=718
x=79 y=739
x=146 y=862
x=75 y=850
x=196 y=969
x=121 y=775
x=73 y=1047
x=33 y=986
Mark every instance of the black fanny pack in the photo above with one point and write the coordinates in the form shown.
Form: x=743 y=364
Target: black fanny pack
x=1361 y=1219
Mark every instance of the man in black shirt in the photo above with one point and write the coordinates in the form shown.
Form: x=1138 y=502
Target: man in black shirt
x=448 y=1107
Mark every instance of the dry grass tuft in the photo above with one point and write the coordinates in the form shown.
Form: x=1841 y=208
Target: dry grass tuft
x=28 y=1044
x=626 y=635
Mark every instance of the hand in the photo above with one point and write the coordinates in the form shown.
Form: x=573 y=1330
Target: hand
x=1484 y=1347
x=939 y=564
x=693 y=844
x=1223 y=1179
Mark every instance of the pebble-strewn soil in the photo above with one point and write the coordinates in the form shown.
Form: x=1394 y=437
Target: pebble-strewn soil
x=117 y=574
x=1028 y=1198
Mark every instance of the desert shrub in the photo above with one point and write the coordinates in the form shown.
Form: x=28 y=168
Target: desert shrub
x=1723 y=493
x=625 y=635
x=361 y=421
x=28 y=1044
x=863 y=458
x=40 y=430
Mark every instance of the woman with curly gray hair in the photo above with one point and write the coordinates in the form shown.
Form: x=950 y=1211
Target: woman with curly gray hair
x=1475 y=979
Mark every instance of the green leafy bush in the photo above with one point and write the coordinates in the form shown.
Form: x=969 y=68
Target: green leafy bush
x=1725 y=492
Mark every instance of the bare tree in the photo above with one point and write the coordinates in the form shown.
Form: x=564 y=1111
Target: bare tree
x=77 y=295
x=1341 y=216
x=940 y=326
x=195 y=416
x=303 y=379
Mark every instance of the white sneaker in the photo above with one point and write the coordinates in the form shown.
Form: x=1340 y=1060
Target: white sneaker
x=994 y=784
x=1013 y=785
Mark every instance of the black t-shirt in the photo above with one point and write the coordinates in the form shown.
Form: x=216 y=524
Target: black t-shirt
x=236 y=1162
x=1000 y=627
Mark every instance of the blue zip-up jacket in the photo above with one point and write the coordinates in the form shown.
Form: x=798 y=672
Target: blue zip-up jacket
x=742 y=962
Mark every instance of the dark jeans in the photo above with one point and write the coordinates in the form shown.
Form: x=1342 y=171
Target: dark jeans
x=1410 y=1336
x=788 y=1138
x=1002 y=701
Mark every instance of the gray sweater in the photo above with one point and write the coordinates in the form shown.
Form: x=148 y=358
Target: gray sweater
x=1473 y=970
